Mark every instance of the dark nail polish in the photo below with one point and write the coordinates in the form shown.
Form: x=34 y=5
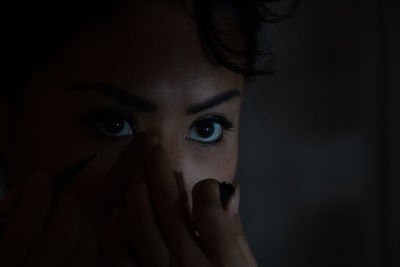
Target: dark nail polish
x=226 y=190
x=61 y=180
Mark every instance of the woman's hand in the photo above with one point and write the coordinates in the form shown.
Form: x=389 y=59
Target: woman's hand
x=45 y=231
x=158 y=224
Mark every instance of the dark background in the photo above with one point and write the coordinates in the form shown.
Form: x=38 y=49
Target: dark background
x=319 y=161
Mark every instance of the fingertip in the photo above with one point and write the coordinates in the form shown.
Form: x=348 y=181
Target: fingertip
x=205 y=184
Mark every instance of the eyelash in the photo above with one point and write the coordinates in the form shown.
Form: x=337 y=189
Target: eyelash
x=226 y=126
x=101 y=116
x=218 y=118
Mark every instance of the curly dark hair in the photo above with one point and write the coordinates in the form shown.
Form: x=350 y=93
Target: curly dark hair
x=35 y=32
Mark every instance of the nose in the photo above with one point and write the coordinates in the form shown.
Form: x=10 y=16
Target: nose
x=173 y=152
x=172 y=148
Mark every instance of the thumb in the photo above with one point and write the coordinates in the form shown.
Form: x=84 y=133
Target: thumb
x=237 y=229
x=232 y=211
x=232 y=206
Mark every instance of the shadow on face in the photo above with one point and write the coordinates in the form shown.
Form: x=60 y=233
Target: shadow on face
x=146 y=70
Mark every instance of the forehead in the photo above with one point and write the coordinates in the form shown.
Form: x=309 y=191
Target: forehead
x=151 y=49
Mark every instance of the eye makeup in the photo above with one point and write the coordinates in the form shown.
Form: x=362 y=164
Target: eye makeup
x=114 y=124
x=219 y=119
x=110 y=123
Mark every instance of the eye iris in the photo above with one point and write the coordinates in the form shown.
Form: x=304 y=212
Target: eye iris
x=114 y=125
x=205 y=129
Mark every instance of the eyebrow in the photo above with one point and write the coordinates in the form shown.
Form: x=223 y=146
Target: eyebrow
x=144 y=105
x=213 y=101
x=117 y=94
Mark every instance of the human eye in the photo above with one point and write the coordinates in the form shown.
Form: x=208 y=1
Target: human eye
x=209 y=130
x=111 y=123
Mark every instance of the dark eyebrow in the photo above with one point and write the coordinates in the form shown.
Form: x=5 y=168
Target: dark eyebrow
x=116 y=93
x=214 y=101
x=145 y=105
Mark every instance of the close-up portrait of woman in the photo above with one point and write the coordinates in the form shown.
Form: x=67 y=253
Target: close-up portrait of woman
x=119 y=131
x=126 y=127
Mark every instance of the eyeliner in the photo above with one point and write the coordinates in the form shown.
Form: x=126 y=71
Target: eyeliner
x=58 y=183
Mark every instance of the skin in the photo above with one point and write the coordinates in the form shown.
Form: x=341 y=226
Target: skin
x=165 y=64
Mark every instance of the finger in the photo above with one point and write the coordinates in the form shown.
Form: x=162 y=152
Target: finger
x=116 y=182
x=124 y=168
x=144 y=233
x=115 y=245
x=171 y=209
x=61 y=235
x=84 y=254
x=236 y=225
x=215 y=233
x=25 y=226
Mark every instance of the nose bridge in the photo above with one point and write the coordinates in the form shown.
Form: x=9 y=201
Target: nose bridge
x=170 y=141
x=170 y=130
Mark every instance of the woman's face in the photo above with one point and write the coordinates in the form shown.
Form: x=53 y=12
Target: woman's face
x=87 y=103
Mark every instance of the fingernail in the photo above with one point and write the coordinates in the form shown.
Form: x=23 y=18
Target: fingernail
x=226 y=190
x=151 y=142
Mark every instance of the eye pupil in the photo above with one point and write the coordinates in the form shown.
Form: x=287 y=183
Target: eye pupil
x=205 y=129
x=114 y=126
